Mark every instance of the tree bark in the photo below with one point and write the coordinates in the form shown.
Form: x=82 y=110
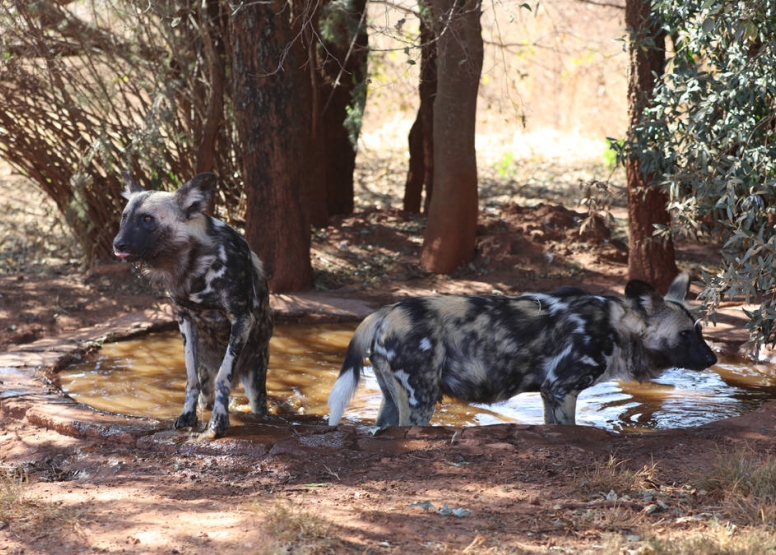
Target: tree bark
x=265 y=76
x=451 y=228
x=421 y=138
x=651 y=259
x=305 y=25
x=343 y=70
x=213 y=43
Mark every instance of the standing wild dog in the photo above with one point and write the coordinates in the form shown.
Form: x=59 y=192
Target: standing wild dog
x=487 y=349
x=218 y=286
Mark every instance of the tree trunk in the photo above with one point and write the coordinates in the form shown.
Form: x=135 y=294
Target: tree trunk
x=413 y=186
x=305 y=26
x=342 y=96
x=213 y=44
x=421 y=139
x=265 y=73
x=451 y=228
x=650 y=258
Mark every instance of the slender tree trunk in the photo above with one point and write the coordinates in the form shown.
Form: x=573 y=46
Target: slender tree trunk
x=413 y=186
x=650 y=258
x=452 y=219
x=421 y=138
x=305 y=25
x=343 y=67
x=265 y=75
x=213 y=44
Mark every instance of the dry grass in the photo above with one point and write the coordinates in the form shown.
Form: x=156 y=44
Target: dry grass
x=13 y=501
x=745 y=484
x=713 y=539
x=735 y=513
x=290 y=530
x=613 y=475
x=24 y=515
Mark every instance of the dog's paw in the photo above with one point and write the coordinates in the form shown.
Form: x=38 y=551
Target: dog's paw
x=377 y=430
x=218 y=425
x=186 y=420
x=206 y=437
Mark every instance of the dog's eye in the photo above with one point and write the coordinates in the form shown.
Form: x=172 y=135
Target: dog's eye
x=685 y=333
x=147 y=219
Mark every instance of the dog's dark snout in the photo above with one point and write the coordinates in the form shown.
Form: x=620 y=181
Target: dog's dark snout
x=120 y=248
x=711 y=359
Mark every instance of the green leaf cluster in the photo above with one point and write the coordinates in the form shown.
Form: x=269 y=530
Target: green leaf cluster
x=707 y=137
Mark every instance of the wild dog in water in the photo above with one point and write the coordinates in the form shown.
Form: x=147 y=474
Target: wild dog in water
x=489 y=348
x=218 y=286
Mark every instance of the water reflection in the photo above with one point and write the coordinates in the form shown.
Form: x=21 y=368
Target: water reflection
x=146 y=377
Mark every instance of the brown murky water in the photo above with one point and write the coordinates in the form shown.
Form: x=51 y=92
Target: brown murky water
x=146 y=377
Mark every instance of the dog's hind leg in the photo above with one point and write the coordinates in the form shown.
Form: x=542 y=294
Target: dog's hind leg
x=254 y=381
x=559 y=406
x=389 y=413
x=402 y=405
x=206 y=394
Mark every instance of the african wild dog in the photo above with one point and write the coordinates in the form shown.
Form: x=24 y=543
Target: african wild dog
x=489 y=348
x=219 y=289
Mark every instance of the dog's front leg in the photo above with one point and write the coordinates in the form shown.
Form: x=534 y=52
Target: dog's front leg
x=188 y=331
x=560 y=405
x=241 y=328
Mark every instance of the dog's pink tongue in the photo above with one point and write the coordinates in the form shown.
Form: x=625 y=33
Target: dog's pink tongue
x=121 y=254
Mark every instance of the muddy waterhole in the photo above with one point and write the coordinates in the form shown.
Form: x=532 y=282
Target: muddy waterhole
x=146 y=377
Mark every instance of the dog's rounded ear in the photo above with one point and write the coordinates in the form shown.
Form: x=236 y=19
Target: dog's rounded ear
x=130 y=187
x=195 y=195
x=679 y=288
x=643 y=295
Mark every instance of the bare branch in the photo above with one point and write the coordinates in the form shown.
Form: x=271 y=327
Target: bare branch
x=603 y=4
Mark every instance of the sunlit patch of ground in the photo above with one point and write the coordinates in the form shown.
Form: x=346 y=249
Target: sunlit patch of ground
x=516 y=167
x=33 y=237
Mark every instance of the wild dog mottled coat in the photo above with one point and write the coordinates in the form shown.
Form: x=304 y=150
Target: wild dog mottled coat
x=486 y=349
x=218 y=286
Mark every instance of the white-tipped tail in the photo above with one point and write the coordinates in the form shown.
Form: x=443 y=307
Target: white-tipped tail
x=359 y=347
x=343 y=390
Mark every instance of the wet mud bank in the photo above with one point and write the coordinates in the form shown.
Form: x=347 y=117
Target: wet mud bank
x=27 y=393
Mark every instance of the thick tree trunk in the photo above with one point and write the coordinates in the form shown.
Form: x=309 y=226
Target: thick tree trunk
x=265 y=101
x=452 y=219
x=650 y=258
x=421 y=139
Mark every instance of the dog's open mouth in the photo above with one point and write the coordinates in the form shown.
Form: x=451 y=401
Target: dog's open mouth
x=129 y=257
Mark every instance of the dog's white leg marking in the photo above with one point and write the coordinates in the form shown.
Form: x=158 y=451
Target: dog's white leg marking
x=188 y=331
x=410 y=413
x=404 y=380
